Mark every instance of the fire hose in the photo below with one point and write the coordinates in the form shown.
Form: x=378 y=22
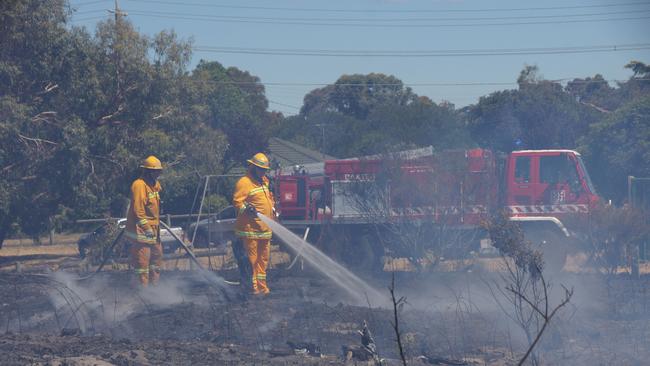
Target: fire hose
x=106 y=256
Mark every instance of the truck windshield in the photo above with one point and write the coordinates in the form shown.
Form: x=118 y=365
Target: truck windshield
x=585 y=174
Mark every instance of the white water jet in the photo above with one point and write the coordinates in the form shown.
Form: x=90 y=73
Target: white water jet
x=341 y=276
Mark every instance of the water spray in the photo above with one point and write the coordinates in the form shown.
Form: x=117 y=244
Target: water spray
x=340 y=275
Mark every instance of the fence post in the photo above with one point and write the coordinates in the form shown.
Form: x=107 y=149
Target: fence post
x=630 y=179
x=51 y=231
x=169 y=220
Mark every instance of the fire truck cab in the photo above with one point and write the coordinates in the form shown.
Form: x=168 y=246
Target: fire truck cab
x=547 y=182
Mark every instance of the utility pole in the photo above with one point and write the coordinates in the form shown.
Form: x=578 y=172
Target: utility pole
x=322 y=148
x=117 y=42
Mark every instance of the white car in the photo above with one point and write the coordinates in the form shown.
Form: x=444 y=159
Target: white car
x=216 y=231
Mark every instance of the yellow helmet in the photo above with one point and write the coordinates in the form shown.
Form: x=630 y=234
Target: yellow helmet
x=260 y=160
x=151 y=162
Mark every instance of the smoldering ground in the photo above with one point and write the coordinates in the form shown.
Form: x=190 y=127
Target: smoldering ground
x=452 y=316
x=107 y=300
x=606 y=320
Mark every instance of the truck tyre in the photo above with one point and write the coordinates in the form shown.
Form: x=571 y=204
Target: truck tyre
x=553 y=247
x=362 y=250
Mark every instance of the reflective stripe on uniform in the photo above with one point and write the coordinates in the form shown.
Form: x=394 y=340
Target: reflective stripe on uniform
x=256 y=190
x=141 y=270
x=142 y=222
x=255 y=234
x=140 y=238
x=153 y=195
x=261 y=277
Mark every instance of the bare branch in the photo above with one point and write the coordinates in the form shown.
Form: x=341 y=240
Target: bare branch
x=88 y=156
x=105 y=119
x=49 y=87
x=44 y=117
x=599 y=109
x=38 y=142
x=38 y=196
x=525 y=299
x=165 y=113
x=547 y=319
x=397 y=304
x=9 y=167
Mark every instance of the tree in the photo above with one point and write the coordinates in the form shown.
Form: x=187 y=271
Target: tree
x=640 y=69
x=417 y=124
x=372 y=114
x=539 y=114
x=594 y=92
x=357 y=95
x=39 y=139
x=619 y=146
x=78 y=113
x=236 y=105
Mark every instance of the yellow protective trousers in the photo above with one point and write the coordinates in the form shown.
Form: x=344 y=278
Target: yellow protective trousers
x=146 y=260
x=258 y=251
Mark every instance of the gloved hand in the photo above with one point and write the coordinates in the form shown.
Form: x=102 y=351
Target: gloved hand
x=251 y=210
x=149 y=234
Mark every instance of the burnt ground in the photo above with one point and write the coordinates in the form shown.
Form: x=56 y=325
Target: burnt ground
x=194 y=319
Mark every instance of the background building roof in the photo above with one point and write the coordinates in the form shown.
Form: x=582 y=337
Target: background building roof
x=289 y=154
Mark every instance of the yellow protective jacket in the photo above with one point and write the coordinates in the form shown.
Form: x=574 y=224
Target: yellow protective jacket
x=144 y=212
x=250 y=191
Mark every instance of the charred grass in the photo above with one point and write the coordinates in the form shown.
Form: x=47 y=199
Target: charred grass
x=191 y=319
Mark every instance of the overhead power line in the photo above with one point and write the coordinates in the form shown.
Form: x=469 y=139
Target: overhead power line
x=405 y=84
x=85 y=3
x=375 y=20
x=89 y=18
x=338 y=23
x=367 y=21
x=90 y=12
x=425 y=53
x=284 y=105
x=417 y=11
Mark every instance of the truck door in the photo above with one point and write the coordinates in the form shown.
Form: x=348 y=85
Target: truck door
x=520 y=181
x=559 y=181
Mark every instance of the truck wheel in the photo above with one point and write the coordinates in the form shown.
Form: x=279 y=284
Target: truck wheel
x=554 y=249
x=363 y=250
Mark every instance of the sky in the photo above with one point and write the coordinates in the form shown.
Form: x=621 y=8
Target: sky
x=448 y=50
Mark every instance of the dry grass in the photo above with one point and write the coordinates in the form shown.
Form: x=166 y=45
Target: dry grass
x=65 y=245
x=57 y=238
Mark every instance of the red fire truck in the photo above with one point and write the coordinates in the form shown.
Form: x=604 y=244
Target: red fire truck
x=417 y=201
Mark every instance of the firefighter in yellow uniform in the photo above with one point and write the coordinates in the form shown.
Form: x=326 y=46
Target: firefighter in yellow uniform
x=142 y=223
x=252 y=196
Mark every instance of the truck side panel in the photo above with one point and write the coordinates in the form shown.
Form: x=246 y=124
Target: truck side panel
x=451 y=187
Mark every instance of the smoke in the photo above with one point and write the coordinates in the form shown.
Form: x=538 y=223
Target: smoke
x=108 y=301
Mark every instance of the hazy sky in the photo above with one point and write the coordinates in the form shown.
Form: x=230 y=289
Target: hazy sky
x=454 y=50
